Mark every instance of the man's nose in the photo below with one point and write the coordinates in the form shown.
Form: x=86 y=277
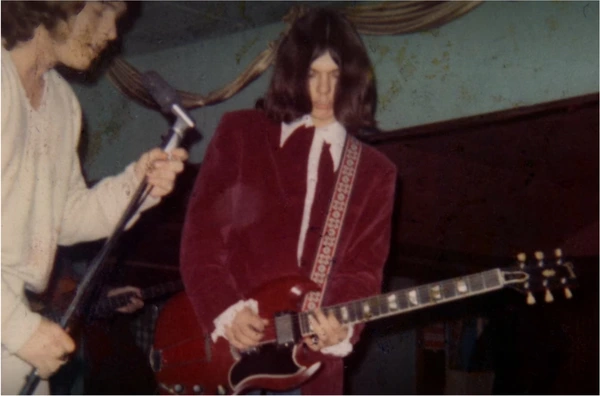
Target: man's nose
x=324 y=85
x=111 y=31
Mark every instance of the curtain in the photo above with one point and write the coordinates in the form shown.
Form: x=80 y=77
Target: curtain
x=381 y=18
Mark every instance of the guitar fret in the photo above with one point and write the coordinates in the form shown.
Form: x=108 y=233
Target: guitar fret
x=383 y=305
x=358 y=311
x=351 y=314
x=402 y=301
x=366 y=310
x=492 y=280
x=449 y=289
x=435 y=293
x=337 y=313
x=461 y=286
x=423 y=295
x=304 y=324
x=345 y=315
x=374 y=306
x=476 y=283
x=412 y=298
x=392 y=302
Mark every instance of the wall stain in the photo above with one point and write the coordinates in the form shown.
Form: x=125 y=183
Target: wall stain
x=433 y=32
x=498 y=98
x=379 y=51
x=406 y=67
x=242 y=9
x=244 y=49
x=552 y=24
x=107 y=132
x=443 y=63
x=512 y=33
x=386 y=98
x=585 y=9
x=408 y=70
x=465 y=94
x=400 y=56
x=383 y=51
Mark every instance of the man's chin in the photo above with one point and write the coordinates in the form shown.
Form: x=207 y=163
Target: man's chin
x=322 y=121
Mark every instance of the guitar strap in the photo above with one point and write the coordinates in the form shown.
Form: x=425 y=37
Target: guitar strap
x=334 y=221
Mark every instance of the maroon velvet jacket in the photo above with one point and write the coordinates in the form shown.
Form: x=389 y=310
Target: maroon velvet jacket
x=243 y=224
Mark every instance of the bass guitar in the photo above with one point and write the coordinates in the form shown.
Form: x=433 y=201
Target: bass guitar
x=186 y=361
x=105 y=306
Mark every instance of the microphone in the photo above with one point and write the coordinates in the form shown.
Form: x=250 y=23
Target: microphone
x=168 y=100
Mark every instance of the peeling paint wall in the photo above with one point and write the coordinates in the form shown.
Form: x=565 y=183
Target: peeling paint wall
x=501 y=55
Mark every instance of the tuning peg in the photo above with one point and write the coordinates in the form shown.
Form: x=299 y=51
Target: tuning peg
x=558 y=253
x=521 y=257
x=539 y=256
x=548 y=296
x=568 y=293
x=530 y=298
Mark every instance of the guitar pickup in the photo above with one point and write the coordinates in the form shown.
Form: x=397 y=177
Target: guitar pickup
x=286 y=331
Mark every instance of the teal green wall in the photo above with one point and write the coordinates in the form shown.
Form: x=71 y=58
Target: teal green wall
x=499 y=56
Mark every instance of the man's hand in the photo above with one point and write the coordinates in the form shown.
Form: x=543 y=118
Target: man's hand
x=160 y=169
x=327 y=331
x=246 y=330
x=47 y=349
x=135 y=302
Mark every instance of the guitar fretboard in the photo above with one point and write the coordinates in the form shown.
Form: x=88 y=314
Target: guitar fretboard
x=109 y=304
x=409 y=299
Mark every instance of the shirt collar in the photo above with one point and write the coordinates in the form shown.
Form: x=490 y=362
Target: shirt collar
x=333 y=134
x=288 y=129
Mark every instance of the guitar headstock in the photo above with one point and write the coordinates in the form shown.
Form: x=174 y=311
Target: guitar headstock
x=543 y=275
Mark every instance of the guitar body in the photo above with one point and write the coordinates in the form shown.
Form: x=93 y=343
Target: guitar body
x=185 y=359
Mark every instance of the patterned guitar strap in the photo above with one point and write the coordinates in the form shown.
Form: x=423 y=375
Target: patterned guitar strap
x=334 y=221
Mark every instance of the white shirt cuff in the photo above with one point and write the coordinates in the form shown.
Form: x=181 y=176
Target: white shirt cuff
x=342 y=348
x=227 y=316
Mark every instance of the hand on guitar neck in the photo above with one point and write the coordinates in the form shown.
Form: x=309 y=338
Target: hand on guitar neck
x=126 y=299
x=327 y=331
x=134 y=302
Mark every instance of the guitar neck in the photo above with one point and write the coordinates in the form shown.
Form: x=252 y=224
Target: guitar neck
x=109 y=304
x=409 y=299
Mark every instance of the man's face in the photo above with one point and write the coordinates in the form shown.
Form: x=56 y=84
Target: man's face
x=79 y=41
x=322 y=81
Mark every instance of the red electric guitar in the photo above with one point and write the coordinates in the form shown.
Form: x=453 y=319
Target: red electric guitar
x=186 y=361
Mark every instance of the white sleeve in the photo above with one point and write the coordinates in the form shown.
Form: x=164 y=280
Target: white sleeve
x=92 y=213
x=342 y=348
x=18 y=321
x=227 y=316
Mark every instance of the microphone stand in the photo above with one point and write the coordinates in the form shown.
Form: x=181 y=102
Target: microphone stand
x=84 y=290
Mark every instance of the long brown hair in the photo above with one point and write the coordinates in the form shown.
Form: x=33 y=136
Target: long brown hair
x=21 y=18
x=315 y=33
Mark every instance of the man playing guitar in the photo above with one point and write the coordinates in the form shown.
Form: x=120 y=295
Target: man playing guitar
x=287 y=190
